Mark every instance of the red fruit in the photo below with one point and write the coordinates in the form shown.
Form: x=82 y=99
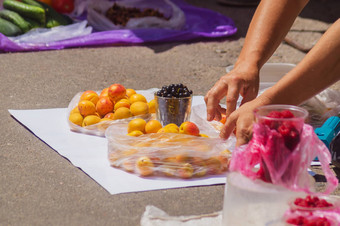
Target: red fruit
x=274 y=114
x=300 y=220
x=287 y=114
x=63 y=6
x=319 y=221
x=312 y=202
x=290 y=135
x=273 y=124
x=296 y=221
x=284 y=130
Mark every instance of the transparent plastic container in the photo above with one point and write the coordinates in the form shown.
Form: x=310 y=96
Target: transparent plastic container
x=300 y=115
x=253 y=202
x=334 y=202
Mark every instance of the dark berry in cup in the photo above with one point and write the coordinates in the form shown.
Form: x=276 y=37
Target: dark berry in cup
x=173 y=104
x=174 y=91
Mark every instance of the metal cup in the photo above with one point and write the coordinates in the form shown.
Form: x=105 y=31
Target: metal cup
x=173 y=110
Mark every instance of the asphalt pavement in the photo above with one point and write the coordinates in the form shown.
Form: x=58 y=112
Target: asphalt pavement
x=40 y=187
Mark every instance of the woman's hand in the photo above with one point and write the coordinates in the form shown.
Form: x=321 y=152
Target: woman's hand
x=242 y=119
x=242 y=81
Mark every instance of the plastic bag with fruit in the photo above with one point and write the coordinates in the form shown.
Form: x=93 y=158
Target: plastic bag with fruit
x=106 y=15
x=146 y=148
x=283 y=147
x=93 y=112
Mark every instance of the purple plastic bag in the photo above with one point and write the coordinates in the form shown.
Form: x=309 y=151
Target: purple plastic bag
x=200 y=23
x=285 y=167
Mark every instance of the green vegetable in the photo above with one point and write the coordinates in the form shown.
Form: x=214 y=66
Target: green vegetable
x=33 y=23
x=32 y=2
x=16 y=19
x=30 y=11
x=53 y=18
x=9 y=29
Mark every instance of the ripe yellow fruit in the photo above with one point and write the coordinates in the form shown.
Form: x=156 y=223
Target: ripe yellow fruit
x=106 y=119
x=203 y=135
x=137 y=97
x=122 y=113
x=90 y=120
x=139 y=108
x=122 y=103
x=76 y=118
x=171 y=128
x=86 y=108
x=91 y=96
x=104 y=106
x=152 y=106
x=161 y=130
x=144 y=166
x=130 y=92
x=137 y=124
x=109 y=115
x=153 y=126
x=116 y=92
x=74 y=110
x=135 y=133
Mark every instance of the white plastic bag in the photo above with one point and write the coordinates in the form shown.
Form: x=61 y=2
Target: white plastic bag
x=154 y=216
x=322 y=106
x=46 y=35
x=96 y=10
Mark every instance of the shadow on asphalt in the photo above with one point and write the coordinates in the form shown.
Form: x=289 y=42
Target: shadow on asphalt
x=322 y=10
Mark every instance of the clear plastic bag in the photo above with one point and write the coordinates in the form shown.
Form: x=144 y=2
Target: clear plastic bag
x=198 y=115
x=322 y=106
x=167 y=154
x=99 y=128
x=96 y=15
x=47 y=35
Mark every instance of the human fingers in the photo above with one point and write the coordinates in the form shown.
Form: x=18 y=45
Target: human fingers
x=228 y=127
x=211 y=104
x=232 y=96
x=219 y=112
x=242 y=121
x=244 y=131
x=212 y=99
x=249 y=93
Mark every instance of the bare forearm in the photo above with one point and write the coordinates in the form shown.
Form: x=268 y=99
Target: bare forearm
x=319 y=69
x=270 y=24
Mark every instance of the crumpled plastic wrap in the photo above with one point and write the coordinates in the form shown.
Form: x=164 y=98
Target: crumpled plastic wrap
x=97 y=8
x=322 y=106
x=45 y=35
x=154 y=216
